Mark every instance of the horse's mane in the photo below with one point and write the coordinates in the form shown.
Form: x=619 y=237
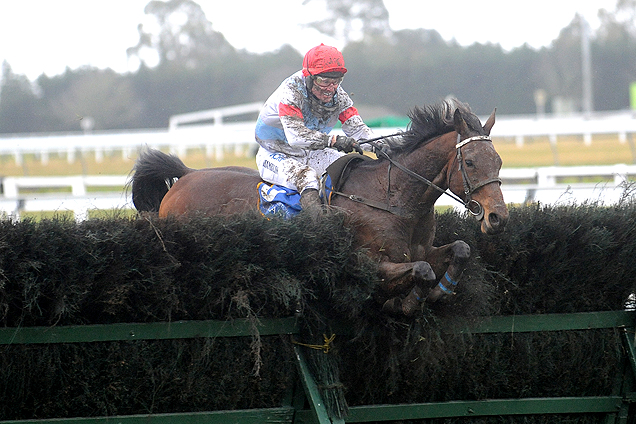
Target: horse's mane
x=432 y=121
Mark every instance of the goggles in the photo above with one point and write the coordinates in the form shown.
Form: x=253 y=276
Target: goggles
x=324 y=82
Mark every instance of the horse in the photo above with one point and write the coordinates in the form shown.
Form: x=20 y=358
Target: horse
x=388 y=201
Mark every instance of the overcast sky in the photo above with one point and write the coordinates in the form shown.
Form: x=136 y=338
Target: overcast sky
x=46 y=36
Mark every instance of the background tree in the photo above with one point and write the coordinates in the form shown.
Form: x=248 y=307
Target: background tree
x=352 y=19
x=19 y=106
x=390 y=72
x=103 y=95
x=614 y=55
x=180 y=33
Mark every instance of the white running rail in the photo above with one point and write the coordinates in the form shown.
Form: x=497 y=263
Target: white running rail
x=193 y=130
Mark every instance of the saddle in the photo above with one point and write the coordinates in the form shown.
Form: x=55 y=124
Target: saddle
x=337 y=173
x=276 y=200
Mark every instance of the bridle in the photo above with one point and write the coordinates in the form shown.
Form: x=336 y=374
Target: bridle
x=473 y=206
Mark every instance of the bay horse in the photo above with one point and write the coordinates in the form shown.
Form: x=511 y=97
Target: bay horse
x=389 y=201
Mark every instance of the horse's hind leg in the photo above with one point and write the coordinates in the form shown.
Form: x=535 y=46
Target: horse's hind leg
x=399 y=278
x=454 y=255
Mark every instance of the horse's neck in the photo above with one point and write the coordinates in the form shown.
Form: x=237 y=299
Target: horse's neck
x=431 y=162
x=414 y=199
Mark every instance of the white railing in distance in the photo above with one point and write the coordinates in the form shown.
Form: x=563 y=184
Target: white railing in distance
x=520 y=185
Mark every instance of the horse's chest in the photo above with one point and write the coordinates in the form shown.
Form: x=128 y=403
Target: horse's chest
x=388 y=243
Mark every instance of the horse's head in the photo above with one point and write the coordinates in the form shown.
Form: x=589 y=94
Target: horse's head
x=474 y=171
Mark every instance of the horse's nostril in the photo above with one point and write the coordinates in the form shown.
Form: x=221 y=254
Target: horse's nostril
x=494 y=220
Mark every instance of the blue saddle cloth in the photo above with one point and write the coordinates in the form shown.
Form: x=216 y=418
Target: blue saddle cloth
x=275 y=200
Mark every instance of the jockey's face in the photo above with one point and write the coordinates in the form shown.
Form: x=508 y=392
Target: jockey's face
x=325 y=95
x=325 y=88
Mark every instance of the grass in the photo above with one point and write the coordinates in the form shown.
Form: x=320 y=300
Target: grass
x=569 y=151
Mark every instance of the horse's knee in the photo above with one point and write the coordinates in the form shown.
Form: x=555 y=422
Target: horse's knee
x=423 y=271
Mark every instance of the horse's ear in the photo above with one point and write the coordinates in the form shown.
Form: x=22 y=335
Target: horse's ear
x=490 y=122
x=460 y=124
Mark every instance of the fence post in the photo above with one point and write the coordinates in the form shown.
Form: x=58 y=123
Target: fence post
x=10 y=187
x=545 y=177
x=70 y=155
x=18 y=158
x=78 y=188
x=555 y=151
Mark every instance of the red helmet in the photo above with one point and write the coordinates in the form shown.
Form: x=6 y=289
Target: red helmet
x=323 y=59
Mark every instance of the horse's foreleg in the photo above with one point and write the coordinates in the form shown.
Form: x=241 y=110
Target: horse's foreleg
x=454 y=256
x=398 y=278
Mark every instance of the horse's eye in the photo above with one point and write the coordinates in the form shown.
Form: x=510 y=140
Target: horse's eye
x=469 y=163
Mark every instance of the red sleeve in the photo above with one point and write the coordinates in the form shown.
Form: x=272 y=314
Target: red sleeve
x=347 y=113
x=288 y=110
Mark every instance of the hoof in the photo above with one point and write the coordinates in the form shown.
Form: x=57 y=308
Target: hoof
x=393 y=306
x=407 y=306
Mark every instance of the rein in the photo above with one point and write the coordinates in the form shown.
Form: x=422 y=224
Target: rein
x=473 y=206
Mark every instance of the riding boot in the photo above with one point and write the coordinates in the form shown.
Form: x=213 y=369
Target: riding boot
x=310 y=201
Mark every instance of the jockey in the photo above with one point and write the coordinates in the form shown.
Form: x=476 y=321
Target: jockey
x=293 y=127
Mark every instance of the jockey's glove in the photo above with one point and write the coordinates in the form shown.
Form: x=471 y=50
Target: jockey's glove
x=381 y=149
x=346 y=144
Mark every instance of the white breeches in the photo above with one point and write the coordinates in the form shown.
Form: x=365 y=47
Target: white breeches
x=295 y=172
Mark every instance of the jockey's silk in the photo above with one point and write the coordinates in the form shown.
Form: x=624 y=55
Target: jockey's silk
x=292 y=128
x=288 y=122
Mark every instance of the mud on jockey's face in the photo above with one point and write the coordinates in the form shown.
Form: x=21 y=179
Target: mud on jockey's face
x=324 y=87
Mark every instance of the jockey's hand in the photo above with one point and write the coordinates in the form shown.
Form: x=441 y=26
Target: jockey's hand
x=381 y=149
x=346 y=144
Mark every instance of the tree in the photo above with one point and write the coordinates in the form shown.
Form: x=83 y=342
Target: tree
x=178 y=33
x=346 y=17
x=18 y=104
x=560 y=68
x=613 y=55
x=105 y=96
x=626 y=13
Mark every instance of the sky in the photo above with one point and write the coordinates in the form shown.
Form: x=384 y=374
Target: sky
x=47 y=36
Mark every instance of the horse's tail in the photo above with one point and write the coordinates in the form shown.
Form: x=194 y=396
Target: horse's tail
x=152 y=176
